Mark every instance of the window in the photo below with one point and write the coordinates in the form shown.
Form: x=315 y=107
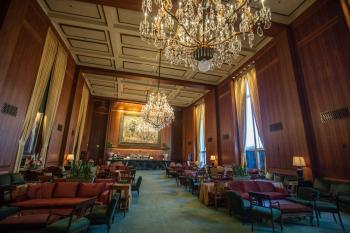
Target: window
x=201 y=139
x=254 y=150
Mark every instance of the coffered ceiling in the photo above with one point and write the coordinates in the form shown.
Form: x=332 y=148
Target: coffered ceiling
x=107 y=37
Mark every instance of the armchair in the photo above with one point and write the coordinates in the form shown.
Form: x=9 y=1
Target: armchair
x=105 y=214
x=236 y=204
x=136 y=187
x=262 y=207
x=77 y=221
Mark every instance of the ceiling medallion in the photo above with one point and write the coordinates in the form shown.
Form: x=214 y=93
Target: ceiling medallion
x=203 y=34
x=157 y=112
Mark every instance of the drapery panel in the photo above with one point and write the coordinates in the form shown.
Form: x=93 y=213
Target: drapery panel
x=53 y=98
x=79 y=130
x=43 y=75
x=200 y=116
x=240 y=98
x=254 y=97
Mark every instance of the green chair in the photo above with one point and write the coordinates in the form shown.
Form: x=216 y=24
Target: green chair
x=263 y=208
x=105 y=214
x=6 y=211
x=136 y=187
x=311 y=197
x=77 y=221
x=236 y=204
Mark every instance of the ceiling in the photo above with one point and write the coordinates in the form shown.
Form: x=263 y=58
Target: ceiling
x=107 y=37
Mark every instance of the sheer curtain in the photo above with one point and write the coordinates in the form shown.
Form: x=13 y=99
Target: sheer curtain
x=240 y=97
x=43 y=75
x=254 y=96
x=79 y=130
x=53 y=98
x=199 y=111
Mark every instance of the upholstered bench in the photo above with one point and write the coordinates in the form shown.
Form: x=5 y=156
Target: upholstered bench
x=26 y=223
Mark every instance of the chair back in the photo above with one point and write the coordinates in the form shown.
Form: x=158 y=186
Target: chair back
x=138 y=182
x=83 y=209
x=308 y=193
x=113 y=206
x=236 y=202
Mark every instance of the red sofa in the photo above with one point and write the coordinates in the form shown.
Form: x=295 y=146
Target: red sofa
x=266 y=187
x=61 y=195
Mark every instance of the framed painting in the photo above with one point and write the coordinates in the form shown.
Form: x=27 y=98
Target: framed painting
x=134 y=132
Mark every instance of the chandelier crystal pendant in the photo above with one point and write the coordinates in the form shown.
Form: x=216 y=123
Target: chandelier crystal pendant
x=203 y=34
x=157 y=112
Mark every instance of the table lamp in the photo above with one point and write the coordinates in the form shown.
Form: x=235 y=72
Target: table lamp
x=299 y=161
x=212 y=159
x=70 y=159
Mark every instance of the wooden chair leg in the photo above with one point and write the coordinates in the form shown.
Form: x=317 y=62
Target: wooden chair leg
x=335 y=219
x=318 y=221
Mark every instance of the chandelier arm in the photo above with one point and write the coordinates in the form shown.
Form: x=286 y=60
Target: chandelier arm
x=224 y=41
x=160 y=59
x=176 y=19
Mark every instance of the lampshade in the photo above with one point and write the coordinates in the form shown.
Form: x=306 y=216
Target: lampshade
x=212 y=157
x=70 y=157
x=299 y=161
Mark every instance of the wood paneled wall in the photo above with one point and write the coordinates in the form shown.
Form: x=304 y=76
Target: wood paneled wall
x=188 y=133
x=280 y=105
x=57 y=135
x=22 y=38
x=211 y=131
x=226 y=110
x=97 y=139
x=116 y=109
x=322 y=42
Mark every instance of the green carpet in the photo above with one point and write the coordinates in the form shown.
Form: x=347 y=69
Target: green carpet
x=165 y=208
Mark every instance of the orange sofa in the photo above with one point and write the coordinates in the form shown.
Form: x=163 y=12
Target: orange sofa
x=60 y=195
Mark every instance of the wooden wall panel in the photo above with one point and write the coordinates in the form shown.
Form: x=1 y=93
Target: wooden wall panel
x=211 y=134
x=323 y=49
x=54 y=149
x=176 y=137
x=97 y=139
x=228 y=145
x=166 y=134
x=188 y=133
x=25 y=24
x=280 y=104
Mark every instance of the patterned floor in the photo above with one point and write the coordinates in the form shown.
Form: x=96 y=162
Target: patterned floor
x=165 y=208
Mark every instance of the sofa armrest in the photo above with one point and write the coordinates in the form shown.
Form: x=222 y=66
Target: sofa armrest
x=104 y=197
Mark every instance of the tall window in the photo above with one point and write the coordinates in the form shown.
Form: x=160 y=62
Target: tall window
x=201 y=139
x=254 y=150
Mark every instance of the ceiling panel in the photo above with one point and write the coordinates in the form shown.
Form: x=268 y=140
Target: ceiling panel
x=108 y=37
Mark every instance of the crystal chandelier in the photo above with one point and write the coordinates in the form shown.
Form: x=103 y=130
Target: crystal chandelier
x=203 y=34
x=157 y=112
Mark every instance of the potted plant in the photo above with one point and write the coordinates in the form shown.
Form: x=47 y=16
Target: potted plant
x=82 y=171
x=165 y=149
x=239 y=172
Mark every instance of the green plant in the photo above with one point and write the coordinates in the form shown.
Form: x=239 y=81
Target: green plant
x=109 y=145
x=82 y=170
x=238 y=170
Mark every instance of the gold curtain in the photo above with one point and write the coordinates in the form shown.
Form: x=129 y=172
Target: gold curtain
x=200 y=112
x=43 y=75
x=79 y=130
x=240 y=97
x=254 y=97
x=53 y=98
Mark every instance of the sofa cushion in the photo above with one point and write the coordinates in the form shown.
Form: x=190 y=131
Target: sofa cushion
x=250 y=186
x=49 y=203
x=47 y=189
x=66 y=189
x=25 y=222
x=33 y=191
x=5 y=179
x=265 y=186
x=17 y=178
x=236 y=186
x=90 y=189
